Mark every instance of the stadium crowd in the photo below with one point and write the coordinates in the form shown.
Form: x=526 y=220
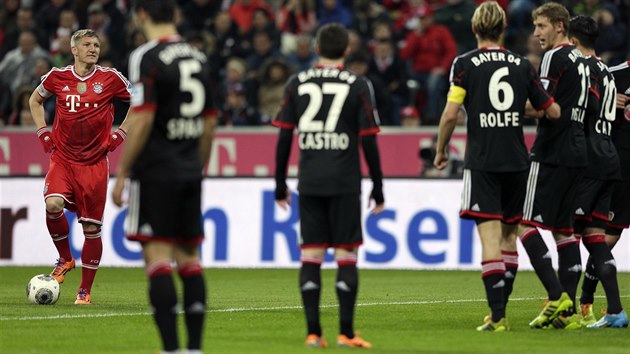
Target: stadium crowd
x=405 y=47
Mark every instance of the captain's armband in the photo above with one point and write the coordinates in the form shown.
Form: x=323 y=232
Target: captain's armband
x=456 y=94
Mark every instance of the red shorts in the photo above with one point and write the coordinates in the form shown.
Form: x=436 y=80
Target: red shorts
x=84 y=188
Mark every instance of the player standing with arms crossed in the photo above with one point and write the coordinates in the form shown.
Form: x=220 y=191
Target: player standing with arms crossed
x=333 y=110
x=558 y=157
x=493 y=84
x=174 y=124
x=79 y=142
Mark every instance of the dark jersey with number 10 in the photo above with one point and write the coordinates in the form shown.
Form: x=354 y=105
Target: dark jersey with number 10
x=565 y=75
x=602 y=154
x=331 y=108
x=171 y=78
x=496 y=83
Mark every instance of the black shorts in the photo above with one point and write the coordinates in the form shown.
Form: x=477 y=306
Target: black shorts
x=493 y=195
x=166 y=211
x=330 y=221
x=592 y=203
x=550 y=197
x=620 y=199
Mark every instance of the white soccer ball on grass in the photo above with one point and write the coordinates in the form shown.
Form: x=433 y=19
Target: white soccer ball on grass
x=42 y=289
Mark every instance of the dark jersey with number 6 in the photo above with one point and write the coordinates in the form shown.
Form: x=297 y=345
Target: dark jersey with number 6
x=331 y=108
x=496 y=83
x=155 y=69
x=565 y=75
x=602 y=154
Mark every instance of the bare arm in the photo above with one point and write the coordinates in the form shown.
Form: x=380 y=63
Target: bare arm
x=207 y=137
x=447 y=126
x=36 y=103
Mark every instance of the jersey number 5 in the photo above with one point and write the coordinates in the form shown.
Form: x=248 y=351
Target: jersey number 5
x=188 y=83
x=316 y=98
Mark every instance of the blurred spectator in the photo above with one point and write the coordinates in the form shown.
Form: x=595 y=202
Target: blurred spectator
x=68 y=24
x=431 y=49
x=199 y=14
x=199 y=40
x=8 y=15
x=102 y=23
x=21 y=111
x=366 y=14
x=586 y=8
x=355 y=42
x=296 y=17
x=520 y=25
x=304 y=56
x=18 y=65
x=456 y=16
x=392 y=70
x=359 y=63
x=409 y=117
x=235 y=74
x=534 y=51
x=226 y=40
x=261 y=22
x=236 y=111
x=334 y=11
x=47 y=15
x=612 y=43
x=242 y=12
x=272 y=78
x=23 y=22
x=408 y=19
x=262 y=50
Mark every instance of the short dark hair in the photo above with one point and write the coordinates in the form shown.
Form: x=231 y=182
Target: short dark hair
x=160 y=11
x=332 y=40
x=585 y=29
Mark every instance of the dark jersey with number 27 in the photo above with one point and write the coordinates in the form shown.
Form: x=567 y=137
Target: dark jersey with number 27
x=170 y=78
x=497 y=84
x=331 y=108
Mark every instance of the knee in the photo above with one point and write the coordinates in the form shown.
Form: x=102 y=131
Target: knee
x=54 y=204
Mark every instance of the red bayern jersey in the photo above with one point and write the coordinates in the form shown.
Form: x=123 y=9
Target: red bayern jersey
x=84 y=111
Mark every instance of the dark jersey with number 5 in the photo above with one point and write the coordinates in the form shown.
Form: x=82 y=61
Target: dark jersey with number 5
x=495 y=84
x=331 y=108
x=602 y=154
x=565 y=75
x=171 y=78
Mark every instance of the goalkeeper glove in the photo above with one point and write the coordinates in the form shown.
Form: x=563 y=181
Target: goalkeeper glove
x=46 y=139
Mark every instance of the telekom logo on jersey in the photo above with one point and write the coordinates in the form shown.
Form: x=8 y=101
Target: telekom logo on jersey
x=74 y=102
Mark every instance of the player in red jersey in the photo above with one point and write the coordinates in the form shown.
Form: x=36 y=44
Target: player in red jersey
x=80 y=139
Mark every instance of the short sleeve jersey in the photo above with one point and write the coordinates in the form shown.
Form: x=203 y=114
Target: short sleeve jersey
x=621 y=127
x=84 y=111
x=170 y=78
x=331 y=108
x=602 y=154
x=562 y=142
x=495 y=84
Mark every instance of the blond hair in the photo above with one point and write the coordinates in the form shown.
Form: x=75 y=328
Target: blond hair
x=488 y=21
x=76 y=37
x=556 y=13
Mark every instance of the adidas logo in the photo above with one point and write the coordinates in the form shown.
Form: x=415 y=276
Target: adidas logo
x=579 y=211
x=66 y=88
x=611 y=262
x=538 y=218
x=476 y=208
x=576 y=268
x=309 y=285
x=509 y=275
x=500 y=284
x=341 y=285
x=547 y=255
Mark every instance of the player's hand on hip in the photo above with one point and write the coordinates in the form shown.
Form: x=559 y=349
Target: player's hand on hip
x=440 y=161
x=116 y=138
x=118 y=191
x=46 y=139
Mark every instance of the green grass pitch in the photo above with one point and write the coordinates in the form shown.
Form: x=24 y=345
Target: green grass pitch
x=258 y=311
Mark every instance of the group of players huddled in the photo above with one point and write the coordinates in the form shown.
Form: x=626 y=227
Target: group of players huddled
x=575 y=182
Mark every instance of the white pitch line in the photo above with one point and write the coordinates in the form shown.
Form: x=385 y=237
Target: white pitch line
x=257 y=309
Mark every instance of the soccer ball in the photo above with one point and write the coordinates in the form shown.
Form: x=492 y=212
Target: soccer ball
x=42 y=289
